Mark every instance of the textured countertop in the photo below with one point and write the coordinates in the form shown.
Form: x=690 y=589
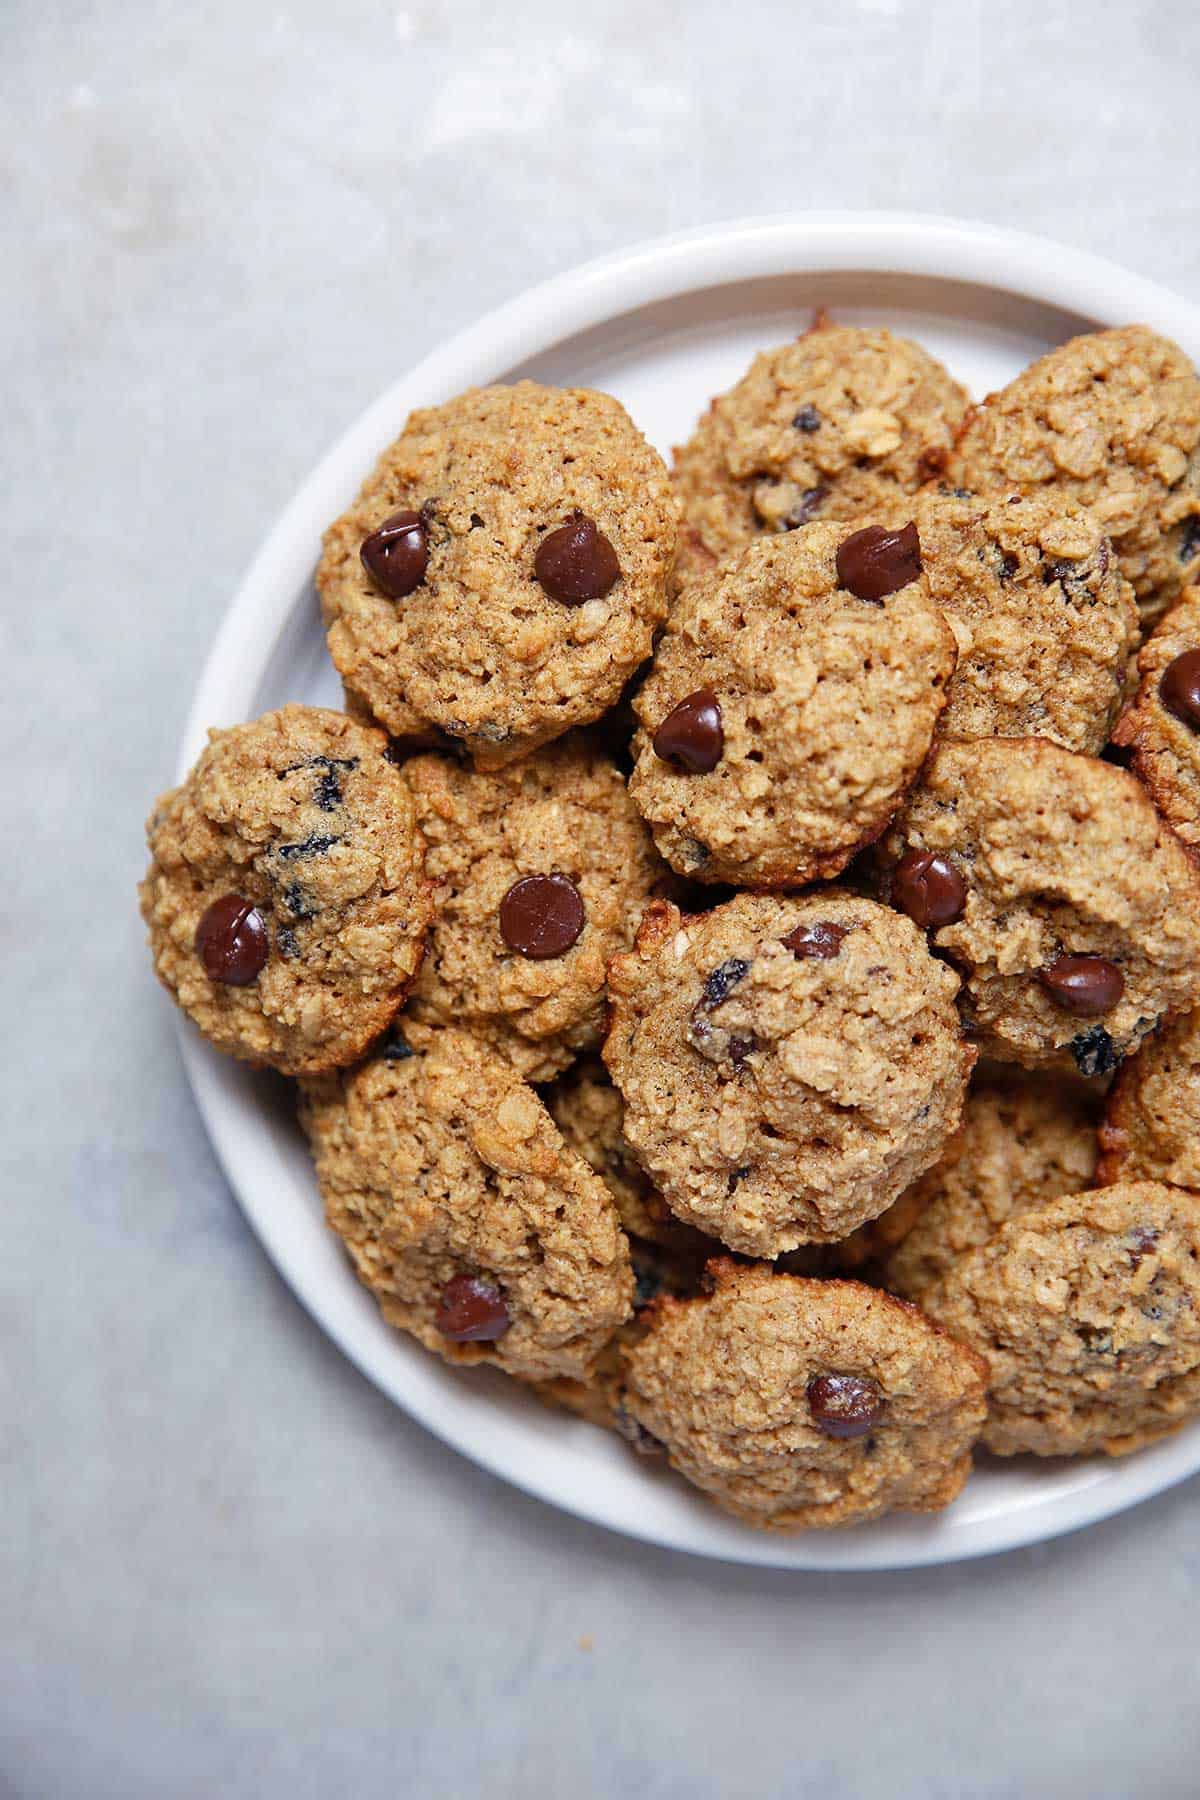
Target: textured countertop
x=227 y=1565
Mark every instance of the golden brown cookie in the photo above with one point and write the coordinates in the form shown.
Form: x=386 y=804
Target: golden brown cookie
x=1087 y=1310
x=1025 y=1139
x=1112 y=420
x=1044 y=619
x=1071 y=909
x=796 y=1403
x=540 y=874
x=502 y=572
x=831 y=426
x=785 y=716
x=1151 y=1128
x=1161 y=726
x=285 y=896
x=474 y=1225
x=788 y=1066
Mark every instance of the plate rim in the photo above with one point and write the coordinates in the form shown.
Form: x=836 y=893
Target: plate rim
x=998 y=258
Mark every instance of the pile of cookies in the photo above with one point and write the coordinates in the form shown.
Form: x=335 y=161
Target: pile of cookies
x=739 y=947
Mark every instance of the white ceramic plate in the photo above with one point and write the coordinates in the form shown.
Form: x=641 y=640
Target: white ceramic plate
x=662 y=326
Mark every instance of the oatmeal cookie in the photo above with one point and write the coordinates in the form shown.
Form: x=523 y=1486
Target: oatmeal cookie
x=503 y=570
x=1071 y=909
x=474 y=1225
x=1151 y=1126
x=831 y=426
x=788 y=1066
x=1087 y=1310
x=540 y=874
x=1025 y=1139
x=1161 y=726
x=1112 y=420
x=285 y=896
x=1045 y=621
x=797 y=1403
x=785 y=717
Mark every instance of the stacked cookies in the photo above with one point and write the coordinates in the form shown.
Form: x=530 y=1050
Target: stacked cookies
x=734 y=984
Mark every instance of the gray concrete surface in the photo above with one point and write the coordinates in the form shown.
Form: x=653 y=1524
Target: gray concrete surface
x=227 y=1566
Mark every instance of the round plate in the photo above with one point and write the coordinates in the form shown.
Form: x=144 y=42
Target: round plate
x=663 y=326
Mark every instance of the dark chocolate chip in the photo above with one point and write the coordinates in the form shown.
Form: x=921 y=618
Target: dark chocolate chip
x=396 y=555
x=315 y=844
x=576 y=563
x=541 y=916
x=1179 y=689
x=806 y=507
x=472 y=1311
x=807 y=419
x=844 y=1406
x=691 y=737
x=722 y=981
x=1086 y=986
x=1094 y=1052
x=928 y=888
x=232 y=942
x=873 y=563
x=822 y=940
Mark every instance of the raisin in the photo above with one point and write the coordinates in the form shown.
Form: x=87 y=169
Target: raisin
x=1094 y=1052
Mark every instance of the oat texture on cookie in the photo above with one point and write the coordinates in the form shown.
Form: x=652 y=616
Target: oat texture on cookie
x=1087 y=1311
x=1151 y=1126
x=831 y=426
x=540 y=873
x=796 y=1403
x=785 y=716
x=1161 y=727
x=1071 y=909
x=285 y=897
x=1112 y=420
x=788 y=1065
x=503 y=570
x=474 y=1225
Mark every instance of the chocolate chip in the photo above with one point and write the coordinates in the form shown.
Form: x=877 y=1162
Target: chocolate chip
x=576 y=562
x=873 y=563
x=928 y=888
x=806 y=506
x=844 y=1406
x=315 y=844
x=541 y=916
x=1086 y=986
x=395 y=1047
x=1179 y=689
x=472 y=1311
x=396 y=555
x=231 y=941
x=807 y=419
x=823 y=940
x=1094 y=1052
x=691 y=736
x=1189 y=540
x=722 y=981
